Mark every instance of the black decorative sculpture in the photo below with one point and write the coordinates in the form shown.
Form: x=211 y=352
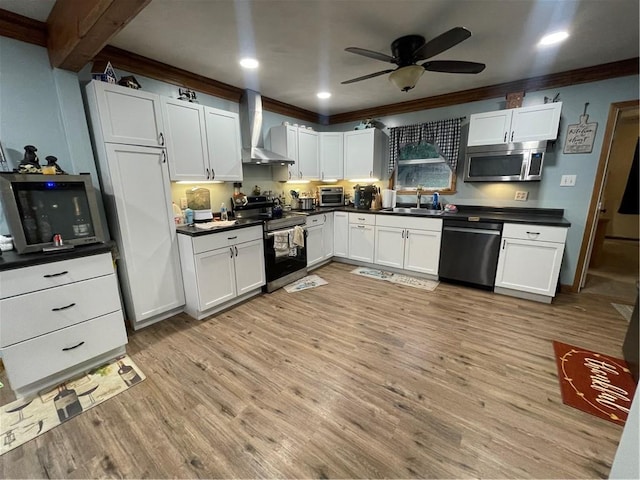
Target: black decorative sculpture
x=52 y=162
x=29 y=163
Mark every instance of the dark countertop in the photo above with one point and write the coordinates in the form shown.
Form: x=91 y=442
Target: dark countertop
x=196 y=232
x=10 y=260
x=535 y=216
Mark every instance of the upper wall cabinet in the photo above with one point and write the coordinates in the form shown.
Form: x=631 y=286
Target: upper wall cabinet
x=301 y=145
x=331 y=155
x=365 y=153
x=539 y=122
x=203 y=143
x=129 y=116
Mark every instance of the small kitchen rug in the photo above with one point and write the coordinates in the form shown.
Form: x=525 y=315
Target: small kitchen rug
x=421 y=283
x=624 y=310
x=26 y=418
x=310 y=281
x=594 y=383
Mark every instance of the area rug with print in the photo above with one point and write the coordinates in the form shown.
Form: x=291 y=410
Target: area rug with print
x=397 y=278
x=594 y=383
x=26 y=418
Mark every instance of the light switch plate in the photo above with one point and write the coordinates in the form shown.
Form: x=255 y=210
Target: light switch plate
x=568 y=181
x=522 y=196
x=183 y=203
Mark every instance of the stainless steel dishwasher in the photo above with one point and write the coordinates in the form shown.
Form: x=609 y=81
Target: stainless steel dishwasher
x=469 y=252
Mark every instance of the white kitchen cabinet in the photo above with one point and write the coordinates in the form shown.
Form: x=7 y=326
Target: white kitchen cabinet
x=529 y=261
x=408 y=243
x=221 y=269
x=137 y=188
x=126 y=115
x=203 y=143
x=328 y=236
x=301 y=145
x=331 y=156
x=84 y=326
x=319 y=238
x=535 y=123
x=361 y=236
x=365 y=153
x=341 y=234
x=315 y=253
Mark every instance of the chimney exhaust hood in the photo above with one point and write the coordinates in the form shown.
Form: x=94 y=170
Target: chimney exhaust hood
x=253 y=150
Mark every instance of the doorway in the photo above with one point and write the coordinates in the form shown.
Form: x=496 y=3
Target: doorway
x=609 y=255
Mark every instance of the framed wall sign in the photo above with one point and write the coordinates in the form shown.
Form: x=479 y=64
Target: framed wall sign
x=580 y=136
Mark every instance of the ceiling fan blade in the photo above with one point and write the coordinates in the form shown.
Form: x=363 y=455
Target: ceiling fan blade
x=453 y=66
x=371 y=75
x=441 y=43
x=371 y=54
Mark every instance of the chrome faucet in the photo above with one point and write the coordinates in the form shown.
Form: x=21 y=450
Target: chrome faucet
x=418 y=195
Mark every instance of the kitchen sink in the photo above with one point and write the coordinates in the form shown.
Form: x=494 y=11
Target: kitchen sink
x=414 y=210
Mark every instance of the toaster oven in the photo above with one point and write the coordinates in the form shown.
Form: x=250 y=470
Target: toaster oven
x=331 y=196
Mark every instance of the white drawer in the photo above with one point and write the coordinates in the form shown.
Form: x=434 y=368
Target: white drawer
x=362 y=218
x=213 y=241
x=27 y=316
x=315 y=220
x=539 y=233
x=40 y=357
x=47 y=275
x=411 y=223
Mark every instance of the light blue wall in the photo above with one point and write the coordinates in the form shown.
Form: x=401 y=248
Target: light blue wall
x=41 y=106
x=546 y=193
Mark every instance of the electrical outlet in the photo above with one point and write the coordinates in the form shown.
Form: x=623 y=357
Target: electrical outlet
x=522 y=196
x=183 y=203
x=568 y=181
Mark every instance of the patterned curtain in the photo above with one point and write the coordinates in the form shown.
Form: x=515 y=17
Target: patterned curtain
x=444 y=134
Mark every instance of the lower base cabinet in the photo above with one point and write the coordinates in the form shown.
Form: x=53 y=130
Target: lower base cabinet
x=341 y=234
x=362 y=237
x=320 y=240
x=220 y=268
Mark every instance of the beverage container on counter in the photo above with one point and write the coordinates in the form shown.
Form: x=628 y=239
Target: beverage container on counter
x=188 y=216
x=435 y=202
x=224 y=216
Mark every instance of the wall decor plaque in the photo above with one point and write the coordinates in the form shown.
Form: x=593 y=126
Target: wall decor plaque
x=580 y=136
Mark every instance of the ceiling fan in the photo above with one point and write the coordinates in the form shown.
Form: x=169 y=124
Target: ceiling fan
x=408 y=50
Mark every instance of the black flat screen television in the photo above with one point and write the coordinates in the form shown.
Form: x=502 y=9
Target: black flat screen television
x=37 y=207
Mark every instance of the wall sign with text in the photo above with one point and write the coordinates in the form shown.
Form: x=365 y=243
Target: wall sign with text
x=580 y=136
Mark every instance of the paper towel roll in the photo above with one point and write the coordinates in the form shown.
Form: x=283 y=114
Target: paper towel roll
x=388 y=198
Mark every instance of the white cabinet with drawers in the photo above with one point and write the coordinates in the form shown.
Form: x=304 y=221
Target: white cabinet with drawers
x=319 y=239
x=361 y=236
x=530 y=260
x=59 y=319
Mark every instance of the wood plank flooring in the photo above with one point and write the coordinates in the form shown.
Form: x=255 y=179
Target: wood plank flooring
x=356 y=379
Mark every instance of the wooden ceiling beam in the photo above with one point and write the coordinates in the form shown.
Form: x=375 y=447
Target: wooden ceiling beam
x=79 y=29
x=22 y=28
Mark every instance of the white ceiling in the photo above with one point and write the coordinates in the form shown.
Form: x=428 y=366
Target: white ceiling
x=300 y=44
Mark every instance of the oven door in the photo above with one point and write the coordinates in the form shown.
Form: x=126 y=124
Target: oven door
x=280 y=266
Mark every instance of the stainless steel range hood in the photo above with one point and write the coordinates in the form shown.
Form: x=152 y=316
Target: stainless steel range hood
x=253 y=150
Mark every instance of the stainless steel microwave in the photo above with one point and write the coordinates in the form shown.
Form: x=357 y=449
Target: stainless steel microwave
x=331 y=196
x=509 y=162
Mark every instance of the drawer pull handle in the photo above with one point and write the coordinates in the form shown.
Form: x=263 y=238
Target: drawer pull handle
x=71 y=348
x=57 y=309
x=360 y=218
x=533 y=233
x=232 y=238
x=51 y=275
x=236 y=250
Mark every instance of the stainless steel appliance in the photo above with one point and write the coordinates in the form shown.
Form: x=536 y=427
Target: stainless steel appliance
x=331 y=196
x=364 y=195
x=469 y=252
x=279 y=270
x=508 y=162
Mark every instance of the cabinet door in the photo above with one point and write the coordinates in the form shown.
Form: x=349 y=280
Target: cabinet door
x=390 y=246
x=129 y=116
x=331 y=155
x=292 y=151
x=315 y=251
x=308 y=155
x=358 y=154
x=489 y=128
x=141 y=220
x=249 y=260
x=529 y=266
x=223 y=142
x=327 y=236
x=341 y=234
x=361 y=242
x=215 y=276
x=539 y=122
x=186 y=140
x=422 y=251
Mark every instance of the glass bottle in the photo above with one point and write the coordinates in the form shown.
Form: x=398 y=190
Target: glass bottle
x=67 y=403
x=81 y=227
x=128 y=374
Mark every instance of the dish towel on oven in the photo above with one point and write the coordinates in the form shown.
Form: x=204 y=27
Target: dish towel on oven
x=298 y=236
x=281 y=243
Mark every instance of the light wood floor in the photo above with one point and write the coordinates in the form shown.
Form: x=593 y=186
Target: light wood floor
x=617 y=275
x=358 y=378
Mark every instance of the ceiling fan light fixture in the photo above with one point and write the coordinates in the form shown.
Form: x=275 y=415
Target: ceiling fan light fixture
x=323 y=95
x=405 y=78
x=249 y=63
x=553 y=38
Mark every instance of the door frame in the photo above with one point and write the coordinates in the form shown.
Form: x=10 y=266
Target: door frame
x=598 y=187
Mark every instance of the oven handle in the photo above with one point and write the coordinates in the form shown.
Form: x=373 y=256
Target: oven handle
x=271 y=234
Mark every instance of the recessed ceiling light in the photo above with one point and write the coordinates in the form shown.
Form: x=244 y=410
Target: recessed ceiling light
x=553 y=38
x=249 y=63
x=324 y=95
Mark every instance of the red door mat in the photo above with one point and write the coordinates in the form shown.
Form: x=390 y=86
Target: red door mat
x=594 y=383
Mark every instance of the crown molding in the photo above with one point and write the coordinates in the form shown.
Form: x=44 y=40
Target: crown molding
x=553 y=80
x=22 y=28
